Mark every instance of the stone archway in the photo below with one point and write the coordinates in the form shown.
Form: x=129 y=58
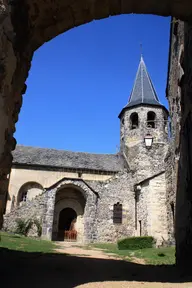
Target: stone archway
x=79 y=196
x=26 y=25
x=69 y=198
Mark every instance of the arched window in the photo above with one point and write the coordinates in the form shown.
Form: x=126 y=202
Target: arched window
x=24 y=196
x=134 y=120
x=117 y=213
x=151 y=116
x=28 y=191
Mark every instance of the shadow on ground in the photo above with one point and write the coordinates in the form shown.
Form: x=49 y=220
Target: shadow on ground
x=23 y=269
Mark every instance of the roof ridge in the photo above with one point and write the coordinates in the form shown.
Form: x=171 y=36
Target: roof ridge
x=62 y=150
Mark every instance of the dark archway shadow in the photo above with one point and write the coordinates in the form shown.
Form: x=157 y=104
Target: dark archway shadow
x=66 y=218
x=23 y=269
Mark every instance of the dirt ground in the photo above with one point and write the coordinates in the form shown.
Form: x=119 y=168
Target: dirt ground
x=82 y=268
x=89 y=253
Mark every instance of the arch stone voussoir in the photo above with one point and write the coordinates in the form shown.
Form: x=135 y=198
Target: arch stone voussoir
x=51 y=18
x=90 y=210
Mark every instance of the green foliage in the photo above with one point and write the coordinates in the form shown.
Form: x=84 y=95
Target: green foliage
x=23 y=226
x=26 y=244
x=39 y=227
x=135 y=243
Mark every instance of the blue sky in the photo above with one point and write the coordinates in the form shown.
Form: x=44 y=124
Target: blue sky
x=80 y=81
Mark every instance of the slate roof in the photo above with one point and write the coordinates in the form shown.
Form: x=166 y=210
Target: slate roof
x=143 y=91
x=66 y=159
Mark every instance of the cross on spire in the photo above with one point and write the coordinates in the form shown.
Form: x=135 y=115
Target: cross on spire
x=141 y=48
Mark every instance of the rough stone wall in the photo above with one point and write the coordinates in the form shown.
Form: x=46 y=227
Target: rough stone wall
x=184 y=195
x=142 y=201
x=171 y=180
x=151 y=209
x=141 y=160
x=90 y=210
x=28 y=210
x=156 y=208
x=146 y=162
x=180 y=160
x=95 y=212
x=135 y=136
x=14 y=67
x=52 y=18
x=117 y=189
x=175 y=78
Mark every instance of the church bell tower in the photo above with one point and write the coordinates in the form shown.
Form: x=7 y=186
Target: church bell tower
x=143 y=125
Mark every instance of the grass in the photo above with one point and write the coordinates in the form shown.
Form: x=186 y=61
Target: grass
x=25 y=244
x=154 y=256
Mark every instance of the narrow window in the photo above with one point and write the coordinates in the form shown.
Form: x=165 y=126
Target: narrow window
x=140 y=228
x=24 y=196
x=117 y=213
x=173 y=210
x=79 y=174
x=134 y=121
x=151 y=116
x=173 y=215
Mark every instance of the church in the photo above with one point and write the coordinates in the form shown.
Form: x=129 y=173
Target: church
x=87 y=197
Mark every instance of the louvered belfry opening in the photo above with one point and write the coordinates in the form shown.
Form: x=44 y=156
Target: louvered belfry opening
x=134 y=119
x=151 y=117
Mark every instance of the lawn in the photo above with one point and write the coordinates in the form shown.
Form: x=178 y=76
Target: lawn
x=154 y=256
x=26 y=244
x=150 y=255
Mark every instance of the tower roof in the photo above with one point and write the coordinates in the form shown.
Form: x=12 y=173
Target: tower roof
x=143 y=91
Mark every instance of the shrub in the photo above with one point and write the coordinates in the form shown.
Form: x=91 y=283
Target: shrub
x=39 y=228
x=134 y=243
x=23 y=226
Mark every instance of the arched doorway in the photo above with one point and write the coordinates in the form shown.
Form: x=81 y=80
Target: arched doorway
x=67 y=219
x=69 y=214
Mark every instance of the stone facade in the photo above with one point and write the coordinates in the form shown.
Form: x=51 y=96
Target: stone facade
x=90 y=187
x=142 y=160
x=45 y=177
x=152 y=213
x=94 y=202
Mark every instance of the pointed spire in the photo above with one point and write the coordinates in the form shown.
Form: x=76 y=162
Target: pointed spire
x=143 y=90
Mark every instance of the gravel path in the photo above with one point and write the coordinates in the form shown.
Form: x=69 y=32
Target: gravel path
x=82 y=252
